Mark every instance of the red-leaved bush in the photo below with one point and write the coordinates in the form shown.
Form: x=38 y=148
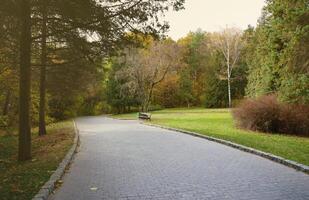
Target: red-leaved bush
x=267 y=114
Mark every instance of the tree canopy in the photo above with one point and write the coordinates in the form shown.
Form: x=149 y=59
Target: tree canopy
x=62 y=43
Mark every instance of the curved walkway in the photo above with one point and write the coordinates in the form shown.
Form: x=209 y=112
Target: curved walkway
x=126 y=160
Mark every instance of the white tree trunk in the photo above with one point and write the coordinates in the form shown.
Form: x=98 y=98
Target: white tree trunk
x=229 y=72
x=229 y=91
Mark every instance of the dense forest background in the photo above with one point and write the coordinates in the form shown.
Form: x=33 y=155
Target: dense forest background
x=271 y=59
x=142 y=70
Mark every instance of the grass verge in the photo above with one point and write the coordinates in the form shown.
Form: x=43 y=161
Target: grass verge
x=219 y=123
x=21 y=181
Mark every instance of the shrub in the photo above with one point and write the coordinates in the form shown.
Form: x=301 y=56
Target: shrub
x=294 y=119
x=267 y=114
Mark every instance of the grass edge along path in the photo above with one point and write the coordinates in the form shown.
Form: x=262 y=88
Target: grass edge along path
x=218 y=123
x=21 y=181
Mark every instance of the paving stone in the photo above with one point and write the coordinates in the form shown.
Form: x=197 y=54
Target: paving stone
x=126 y=160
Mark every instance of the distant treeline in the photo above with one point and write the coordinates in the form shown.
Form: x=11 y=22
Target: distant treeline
x=196 y=70
x=148 y=72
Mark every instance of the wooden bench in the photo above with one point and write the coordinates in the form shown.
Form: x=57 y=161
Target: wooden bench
x=144 y=116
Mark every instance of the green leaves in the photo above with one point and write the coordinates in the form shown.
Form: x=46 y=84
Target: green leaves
x=279 y=59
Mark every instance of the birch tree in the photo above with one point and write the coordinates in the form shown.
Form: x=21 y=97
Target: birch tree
x=229 y=43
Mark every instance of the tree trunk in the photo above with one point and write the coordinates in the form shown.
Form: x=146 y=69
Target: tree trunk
x=229 y=71
x=148 y=99
x=229 y=91
x=24 y=145
x=42 y=123
x=6 y=103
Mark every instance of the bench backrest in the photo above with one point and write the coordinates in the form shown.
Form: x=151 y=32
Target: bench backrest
x=144 y=115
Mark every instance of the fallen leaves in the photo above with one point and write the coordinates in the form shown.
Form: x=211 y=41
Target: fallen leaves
x=94 y=189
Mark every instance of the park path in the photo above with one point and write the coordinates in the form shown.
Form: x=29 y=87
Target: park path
x=126 y=160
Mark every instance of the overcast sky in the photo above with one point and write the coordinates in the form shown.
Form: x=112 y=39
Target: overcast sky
x=213 y=15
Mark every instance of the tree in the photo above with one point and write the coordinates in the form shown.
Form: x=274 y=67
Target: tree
x=146 y=68
x=42 y=109
x=119 y=93
x=279 y=61
x=166 y=94
x=24 y=150
x=185 y=88
x=196 y=56
x=163 y=57
x=9 y=59
x=215 y=86
x=229 y=43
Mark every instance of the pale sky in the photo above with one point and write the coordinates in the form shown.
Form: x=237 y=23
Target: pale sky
x=213 y=15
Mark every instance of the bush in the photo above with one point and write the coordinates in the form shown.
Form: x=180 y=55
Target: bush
x=267 y=114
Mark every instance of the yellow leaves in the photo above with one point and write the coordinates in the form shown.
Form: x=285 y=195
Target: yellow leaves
x=142 y=39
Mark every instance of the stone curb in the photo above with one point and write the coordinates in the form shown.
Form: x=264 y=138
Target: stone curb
x=288 y=163
x=49 y=186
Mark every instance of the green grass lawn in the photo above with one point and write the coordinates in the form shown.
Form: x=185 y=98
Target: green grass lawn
x=218 y=123
x=21 y=181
